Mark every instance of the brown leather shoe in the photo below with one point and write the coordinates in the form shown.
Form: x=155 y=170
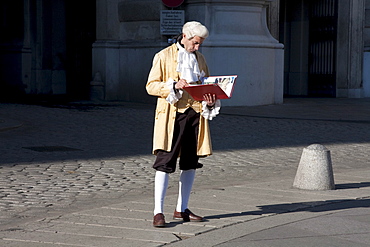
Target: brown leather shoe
x=187 y=215
x=158 y=220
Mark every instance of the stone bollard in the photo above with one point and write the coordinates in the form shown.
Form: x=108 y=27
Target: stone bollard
x=315 y=170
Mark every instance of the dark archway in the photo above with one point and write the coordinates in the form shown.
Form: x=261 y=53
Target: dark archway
x=81 y=34
x=46 y=49
x=308 y=30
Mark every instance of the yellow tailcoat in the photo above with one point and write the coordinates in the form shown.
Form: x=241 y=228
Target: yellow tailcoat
x=163 y=68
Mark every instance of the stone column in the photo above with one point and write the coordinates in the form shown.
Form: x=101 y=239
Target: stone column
x=26 y=49
x=351 y=15
x=273 y=19
x=48 y=47
x=105 y=52
x=366 y=66
x=240 y=43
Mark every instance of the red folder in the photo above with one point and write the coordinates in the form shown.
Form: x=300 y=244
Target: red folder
x=198 y=91
x=212 y=86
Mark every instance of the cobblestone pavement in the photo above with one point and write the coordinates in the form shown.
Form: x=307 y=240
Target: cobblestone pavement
x=64 y=158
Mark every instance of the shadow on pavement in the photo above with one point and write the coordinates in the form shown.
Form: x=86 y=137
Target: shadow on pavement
x=60 y=131
x=352 y=185
x=313 y=206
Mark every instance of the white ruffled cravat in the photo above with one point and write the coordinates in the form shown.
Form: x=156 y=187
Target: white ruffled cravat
x=187 y=65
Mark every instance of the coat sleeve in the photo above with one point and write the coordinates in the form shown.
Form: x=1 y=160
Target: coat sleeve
x=156 y=84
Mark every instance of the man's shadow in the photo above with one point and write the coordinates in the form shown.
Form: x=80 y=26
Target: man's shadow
x=312 y=206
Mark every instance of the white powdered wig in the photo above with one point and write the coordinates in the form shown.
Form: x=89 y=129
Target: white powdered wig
x=194 y=28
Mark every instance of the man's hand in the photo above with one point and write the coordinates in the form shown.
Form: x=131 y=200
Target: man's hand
x=210 y=99
x=181 y=84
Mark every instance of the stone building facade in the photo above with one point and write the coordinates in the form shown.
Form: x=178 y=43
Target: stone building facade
x=103 y=49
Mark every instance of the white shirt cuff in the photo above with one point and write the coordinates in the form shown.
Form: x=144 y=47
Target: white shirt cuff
x=211 y=113
x=174 y=95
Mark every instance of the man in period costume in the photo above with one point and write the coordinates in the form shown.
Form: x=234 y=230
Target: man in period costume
x=181 y=123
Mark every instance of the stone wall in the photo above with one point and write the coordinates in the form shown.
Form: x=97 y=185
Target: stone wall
x=128 y=36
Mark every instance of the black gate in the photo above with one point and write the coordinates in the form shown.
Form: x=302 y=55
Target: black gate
x=322 y=48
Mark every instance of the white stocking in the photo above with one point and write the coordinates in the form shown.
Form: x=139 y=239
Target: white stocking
x=160 y=189
x=185 y=185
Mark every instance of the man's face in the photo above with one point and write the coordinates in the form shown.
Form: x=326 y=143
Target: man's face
x=191 y=45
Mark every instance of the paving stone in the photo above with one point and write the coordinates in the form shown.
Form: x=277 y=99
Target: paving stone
x=115 y=161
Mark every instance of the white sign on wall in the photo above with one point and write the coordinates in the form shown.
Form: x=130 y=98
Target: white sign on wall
x=172 y=21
